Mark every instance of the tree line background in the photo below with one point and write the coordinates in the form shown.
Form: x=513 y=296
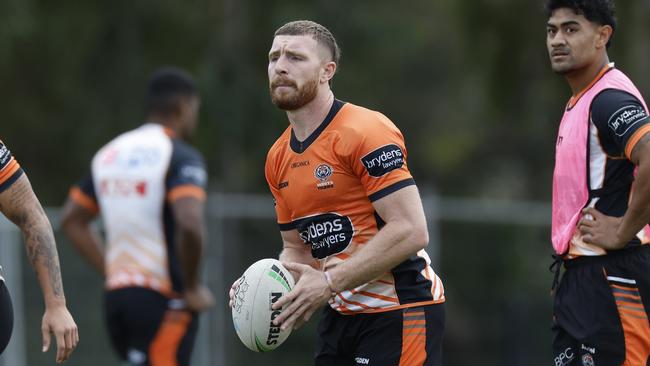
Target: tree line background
x=467 y=82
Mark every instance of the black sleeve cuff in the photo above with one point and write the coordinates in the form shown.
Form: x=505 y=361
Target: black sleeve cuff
x=286 y=227
x=11 y=180
x=391 y=188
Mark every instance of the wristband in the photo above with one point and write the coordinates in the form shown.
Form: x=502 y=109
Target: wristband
x=328 y=279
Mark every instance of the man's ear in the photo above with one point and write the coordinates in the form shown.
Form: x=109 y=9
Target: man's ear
x=329 y=69
x=604 y=35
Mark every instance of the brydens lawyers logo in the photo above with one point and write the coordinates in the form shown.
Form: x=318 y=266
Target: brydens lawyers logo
x=383 y=160
x=625 y=118
x=5 y=155
x=323 y=172
x=327 y=233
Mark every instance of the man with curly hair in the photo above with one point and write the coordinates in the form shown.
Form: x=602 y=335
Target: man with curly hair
x=599 y=206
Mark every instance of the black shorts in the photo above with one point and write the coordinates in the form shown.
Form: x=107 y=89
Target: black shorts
x=407 y=337
x=6 y=316
x=601 y=310
x=147 y=328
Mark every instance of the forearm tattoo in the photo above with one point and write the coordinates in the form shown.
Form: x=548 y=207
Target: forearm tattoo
x=26 y=212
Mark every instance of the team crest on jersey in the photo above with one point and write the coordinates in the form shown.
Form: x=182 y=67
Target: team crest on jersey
x=323 y=172
x=383 y=160
x=587 y=360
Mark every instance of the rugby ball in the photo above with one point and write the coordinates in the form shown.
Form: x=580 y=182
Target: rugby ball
x=263 y=284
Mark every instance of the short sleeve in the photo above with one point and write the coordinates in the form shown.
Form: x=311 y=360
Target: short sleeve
x=83 y=194
x=187 y=175
x=10 y=170
x=621 y=120
x=281 y=210
x=380 y=159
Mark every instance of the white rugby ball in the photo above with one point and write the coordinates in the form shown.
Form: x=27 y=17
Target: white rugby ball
x=263 y=284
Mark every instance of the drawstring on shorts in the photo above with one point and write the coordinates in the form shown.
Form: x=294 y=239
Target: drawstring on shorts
x=555 y=268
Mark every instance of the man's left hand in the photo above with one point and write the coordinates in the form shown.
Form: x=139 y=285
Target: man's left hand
x=310 y=293
x=57 y=321
x=600 y=230
x=198 y=299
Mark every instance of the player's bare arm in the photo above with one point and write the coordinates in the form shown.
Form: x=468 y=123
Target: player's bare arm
x=612 y=232
x=188 y=215
x=404 y=234
x=20 y=205
x=77 y=224
x=294 y=250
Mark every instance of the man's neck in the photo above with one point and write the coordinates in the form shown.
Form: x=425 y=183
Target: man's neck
x=169 y=124
x=305 y=121
x=580 y=79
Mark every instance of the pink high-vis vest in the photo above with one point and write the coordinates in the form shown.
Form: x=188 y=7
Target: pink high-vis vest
x=570 y=180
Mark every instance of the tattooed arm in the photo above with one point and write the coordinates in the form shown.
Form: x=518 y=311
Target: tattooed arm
x=19 y=204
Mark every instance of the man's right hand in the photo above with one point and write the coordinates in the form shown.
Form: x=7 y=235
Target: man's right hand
x=199 y=299
x=233 y=290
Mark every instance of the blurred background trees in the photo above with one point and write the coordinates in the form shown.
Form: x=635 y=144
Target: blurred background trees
x=467 y=82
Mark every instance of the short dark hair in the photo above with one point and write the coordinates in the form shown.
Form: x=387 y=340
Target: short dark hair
x=321 y=34
x=167 y=86
x=596 y=11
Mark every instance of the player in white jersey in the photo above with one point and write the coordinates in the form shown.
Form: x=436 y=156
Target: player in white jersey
x=149 y=187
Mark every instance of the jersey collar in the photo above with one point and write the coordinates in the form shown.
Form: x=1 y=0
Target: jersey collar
x=168 y=131
x=574 y=99
x=300 y=146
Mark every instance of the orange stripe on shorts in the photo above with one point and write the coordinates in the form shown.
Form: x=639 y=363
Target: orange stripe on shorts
x=164 y=347
x=413 y=338
x=636 y=329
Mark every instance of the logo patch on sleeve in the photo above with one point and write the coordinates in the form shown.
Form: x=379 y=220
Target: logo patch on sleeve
x=5 y=155
x=625 y=118
x=383 y=160
x=194 y=174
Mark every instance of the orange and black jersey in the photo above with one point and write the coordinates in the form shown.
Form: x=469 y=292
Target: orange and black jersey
x=10 y=170
x=324 y=188
x=620 y=120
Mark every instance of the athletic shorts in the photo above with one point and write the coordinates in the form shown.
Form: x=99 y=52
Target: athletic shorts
x=149 y=329
x=405 y=337
x=601 y=310
x=6 y=316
